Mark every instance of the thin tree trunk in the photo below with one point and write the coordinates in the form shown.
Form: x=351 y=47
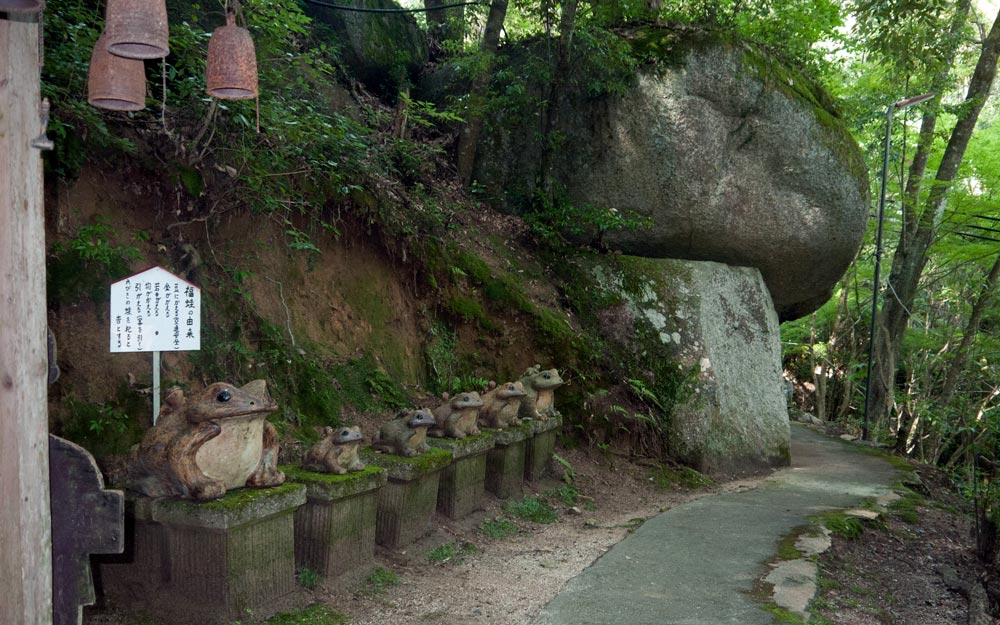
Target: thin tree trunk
x=885 y=361
x=970 y=333
x=910 y=258
x=444 y=24
x=468 y=138
x=818 y=374
x=567 y=27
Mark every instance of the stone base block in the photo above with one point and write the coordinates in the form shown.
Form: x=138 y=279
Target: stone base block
x=335 y=529
x=406 y=503
x=540 y=447
x=207 y=562
x=505 y=462
x=463 y=482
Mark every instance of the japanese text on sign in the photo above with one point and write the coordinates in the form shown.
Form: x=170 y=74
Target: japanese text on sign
x=155 y=311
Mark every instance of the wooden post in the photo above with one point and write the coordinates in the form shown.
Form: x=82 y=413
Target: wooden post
x=25 y=538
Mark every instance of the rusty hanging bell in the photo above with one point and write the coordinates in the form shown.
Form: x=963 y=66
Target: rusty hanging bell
x=116 y=83
x=231 y=69
x=21 y=6
x=137 y=29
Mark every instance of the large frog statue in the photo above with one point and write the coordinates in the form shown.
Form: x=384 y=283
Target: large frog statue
x=539 y=387
x=203 y=446
x=501 y=405
x=336 y=452
x=456 y=418
x=406 y=434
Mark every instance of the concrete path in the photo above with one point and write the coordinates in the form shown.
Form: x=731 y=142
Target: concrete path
x=696 y=564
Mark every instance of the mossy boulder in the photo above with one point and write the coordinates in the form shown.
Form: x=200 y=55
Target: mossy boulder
x=704 y=341
x=383 y=50
x=731 y=155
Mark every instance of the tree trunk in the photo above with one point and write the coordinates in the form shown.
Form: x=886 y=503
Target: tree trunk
x=567 y=26
x=911 y=255
x=969 y=335
x=25 y=538
x=468 y=138
x=444 y=24
x=818 y=370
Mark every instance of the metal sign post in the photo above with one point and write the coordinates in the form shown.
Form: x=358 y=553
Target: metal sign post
x=155 y=311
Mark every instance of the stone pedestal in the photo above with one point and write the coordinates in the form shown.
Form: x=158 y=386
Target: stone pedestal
x=464 y=480
x=335 y=530
x=207 y=562
x=505 y=462
x=540 y=447
x=406 y=503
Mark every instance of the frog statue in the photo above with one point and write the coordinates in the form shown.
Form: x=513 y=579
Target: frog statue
x=539 y=387
x=501 y=405
x=203 y=446
x=406 y=434
x=336 y=452
x=456 y=417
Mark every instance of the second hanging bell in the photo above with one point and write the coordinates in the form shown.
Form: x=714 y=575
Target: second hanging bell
x=115 y=83
x=231 y=68
x=137 y=29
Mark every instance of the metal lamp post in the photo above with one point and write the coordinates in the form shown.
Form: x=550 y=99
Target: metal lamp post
x=878 y=246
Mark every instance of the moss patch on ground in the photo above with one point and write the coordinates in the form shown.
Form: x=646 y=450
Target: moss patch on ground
x=312 y=615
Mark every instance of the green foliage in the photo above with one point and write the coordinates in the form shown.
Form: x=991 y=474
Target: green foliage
x=454 y=553
x=317 y=614
x=532 y=509
x=380 y=579
x=567 y=495
x=470 y=310
x=670 y=477
x=311 y=389
x=105 y=429
x=844 y=526
x=498 y=528
x=305 y=155
x=781 y=615
x=308 y=578
x=87 y=264
x=76 y=128
x=555 y=220
x=906 y=508
x=568 y=473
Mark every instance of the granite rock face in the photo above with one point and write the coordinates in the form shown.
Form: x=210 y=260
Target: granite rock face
x=716 y=327
x=731 y=156
x=380 y=49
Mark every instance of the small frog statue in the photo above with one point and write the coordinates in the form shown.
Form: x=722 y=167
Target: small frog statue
x=406 y=434
x=336 y=452
x=456 y=418
x=203 y=446
x=501 y=405
x=539 y=387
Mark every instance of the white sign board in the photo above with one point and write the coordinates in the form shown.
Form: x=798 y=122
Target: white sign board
x=155 y=311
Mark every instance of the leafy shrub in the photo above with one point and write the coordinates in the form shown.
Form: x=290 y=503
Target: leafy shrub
x=498 y=528
x=451 y=552
x=532 y=509
x=380 y=579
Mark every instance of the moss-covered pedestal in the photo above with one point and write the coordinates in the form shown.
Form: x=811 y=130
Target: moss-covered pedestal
x=505 y=462
x=209 y=562
x=464 y=480
x=335 y=530
x=540 y=447
x=406 y=503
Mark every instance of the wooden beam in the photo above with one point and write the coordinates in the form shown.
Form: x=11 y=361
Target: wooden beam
x=25 y=538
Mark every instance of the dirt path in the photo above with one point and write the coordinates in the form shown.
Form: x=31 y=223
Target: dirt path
x=508 y=581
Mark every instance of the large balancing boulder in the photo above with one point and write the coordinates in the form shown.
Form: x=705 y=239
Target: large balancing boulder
x=732 y=157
